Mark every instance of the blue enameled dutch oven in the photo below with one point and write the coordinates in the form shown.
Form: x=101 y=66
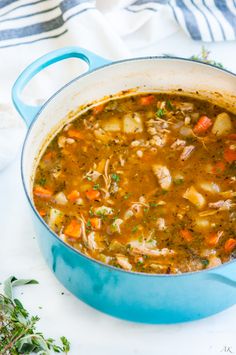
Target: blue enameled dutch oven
x=128 y=295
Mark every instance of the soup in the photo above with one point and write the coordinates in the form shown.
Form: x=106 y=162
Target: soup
x=145 y=183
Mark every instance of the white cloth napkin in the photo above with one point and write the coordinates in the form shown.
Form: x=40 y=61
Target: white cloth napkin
x=31 y=28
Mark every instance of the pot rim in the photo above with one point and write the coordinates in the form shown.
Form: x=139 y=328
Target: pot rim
x=134 y=273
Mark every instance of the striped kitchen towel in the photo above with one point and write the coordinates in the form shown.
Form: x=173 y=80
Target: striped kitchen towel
x=28 y=21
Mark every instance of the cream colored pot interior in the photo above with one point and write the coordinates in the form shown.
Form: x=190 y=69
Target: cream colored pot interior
x=154 y=74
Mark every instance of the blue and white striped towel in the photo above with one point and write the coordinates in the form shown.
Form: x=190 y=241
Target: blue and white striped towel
x=111 y=28
x=28 y=21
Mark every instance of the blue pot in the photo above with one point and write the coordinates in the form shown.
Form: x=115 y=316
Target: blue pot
x=132 y=296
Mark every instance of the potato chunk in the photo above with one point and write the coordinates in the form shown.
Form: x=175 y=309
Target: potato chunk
x=195 y=197
x=222 y=124
x=132 y=123
x=112 y=125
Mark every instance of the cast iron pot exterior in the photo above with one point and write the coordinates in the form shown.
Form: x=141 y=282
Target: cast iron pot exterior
x=132 y=296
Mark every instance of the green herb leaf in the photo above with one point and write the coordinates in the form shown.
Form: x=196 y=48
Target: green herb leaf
x=160 y=113
x=115 y=177
x=134 y=229
x=42 y=181
x=96 y=187
x=169 y=105
x=127 y=196
x=18 y=334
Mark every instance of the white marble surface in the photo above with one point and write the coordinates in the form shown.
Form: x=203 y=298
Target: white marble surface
x=90 y=331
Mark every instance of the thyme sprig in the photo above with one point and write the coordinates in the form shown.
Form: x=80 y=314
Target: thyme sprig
x=18 y=334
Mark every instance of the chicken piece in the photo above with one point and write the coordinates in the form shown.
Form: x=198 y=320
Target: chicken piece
x=222 y=205
x=123 y=261
x=92 y=245
x=186 y=152
x=161 y=224
x=142 y=250
x=163 y=175
x=195 y=197
x=178 y=144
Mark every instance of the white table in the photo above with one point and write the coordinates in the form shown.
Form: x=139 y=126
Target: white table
x=90 y=331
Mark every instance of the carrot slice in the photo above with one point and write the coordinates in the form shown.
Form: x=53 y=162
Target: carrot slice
x=42 y=213
x=202 y=125
x=218 y=168
x=230 y=155
x=42 y=192
x=92 y=194
x=146 y=100
x=232 y=136
x=230 y=245
x=47 y=157
x=186 y=235
x=73 y=229
x=73 y=195
x=96 y=223
x=74 y=133
x=98 y=109
x=213 y=238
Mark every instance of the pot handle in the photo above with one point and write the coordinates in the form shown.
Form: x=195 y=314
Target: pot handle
x=28 y=112
x=223 y=277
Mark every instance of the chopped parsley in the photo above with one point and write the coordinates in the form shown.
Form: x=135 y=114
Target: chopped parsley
x=127 y=196
x=42 y=181
x=96 y=187
x=134 y=229
x=89 y=178
x=160 y=113
x=169 y=105
x=115 y=177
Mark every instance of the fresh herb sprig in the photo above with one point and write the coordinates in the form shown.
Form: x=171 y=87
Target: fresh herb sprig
x=204 y=57
x=18 y=334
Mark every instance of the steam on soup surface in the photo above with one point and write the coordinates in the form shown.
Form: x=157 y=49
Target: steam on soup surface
x=144 y=183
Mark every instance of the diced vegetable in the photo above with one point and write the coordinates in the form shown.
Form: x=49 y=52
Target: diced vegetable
x=195 y=197
x=42 y=192
x=201 y=223
x=186 y=235
x=147 y=100
x=96 y=223
x=42 y=213
x=113 y=124
x=98 y=109
x=202 y=125
x=222 y=124
x=73 y=195
x=92 y=194
x=73 y=229
x=132 y=123
x=213 y=238
x=232 y=136
x=230 y=155
x=55 y=218
x=74 y=133
x=209 y=186
x=60 y=198
x=218 y=168
x=230 y=245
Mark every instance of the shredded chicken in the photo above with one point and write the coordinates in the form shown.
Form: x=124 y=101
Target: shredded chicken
x=92 y=245
x=163 y=175
x=222 y=205
x=123 y=261
x=187 y=152
x=93 y=175
x=178 y=144
x=143 y=250
x=161 y=224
